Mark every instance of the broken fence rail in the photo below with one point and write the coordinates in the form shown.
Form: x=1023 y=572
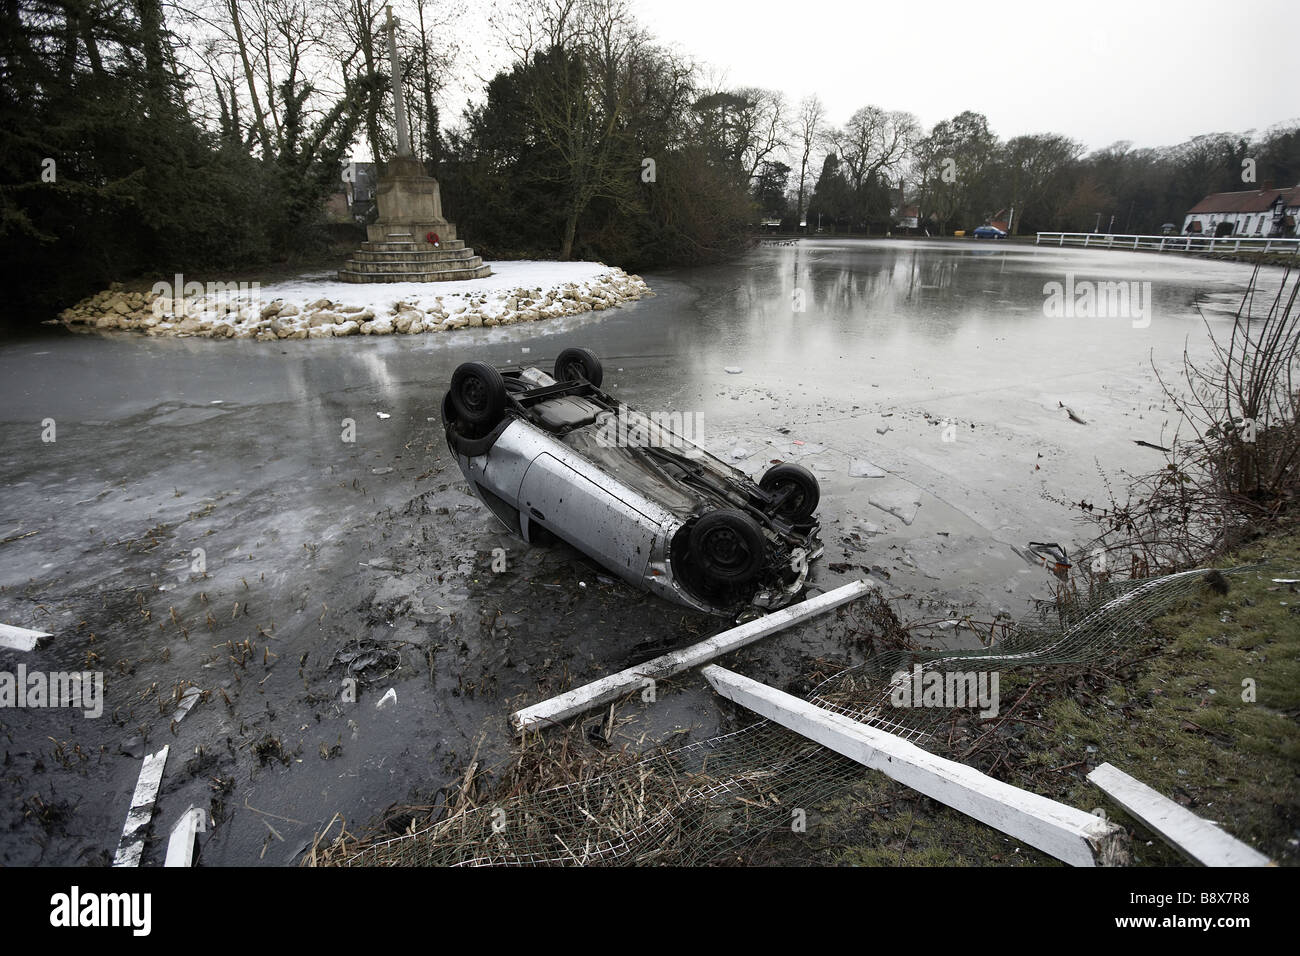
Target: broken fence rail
x=588 y=696
x=1067 y=833
x=20 y=638
x=131 y=848
x=1194 y=837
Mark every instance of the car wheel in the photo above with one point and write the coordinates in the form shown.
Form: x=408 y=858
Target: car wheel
x=478 y=394
x=802 y=485
x=728 y=546
x=576 y=364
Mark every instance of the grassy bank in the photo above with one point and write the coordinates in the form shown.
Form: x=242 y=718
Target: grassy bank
x=1170 y=711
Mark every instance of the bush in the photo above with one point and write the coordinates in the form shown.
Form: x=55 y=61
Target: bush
x=1237 y=475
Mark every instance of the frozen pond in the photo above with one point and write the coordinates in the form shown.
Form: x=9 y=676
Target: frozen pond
x=938 y=367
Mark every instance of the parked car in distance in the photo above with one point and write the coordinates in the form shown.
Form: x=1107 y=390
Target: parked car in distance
x=555 y=456
x=988 y=232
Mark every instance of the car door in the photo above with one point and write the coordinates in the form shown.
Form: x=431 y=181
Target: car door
x=592 y=517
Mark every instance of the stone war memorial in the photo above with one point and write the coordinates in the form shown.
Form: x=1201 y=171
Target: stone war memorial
x=411 y=241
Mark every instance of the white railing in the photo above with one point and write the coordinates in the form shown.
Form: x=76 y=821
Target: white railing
x=1101 y=240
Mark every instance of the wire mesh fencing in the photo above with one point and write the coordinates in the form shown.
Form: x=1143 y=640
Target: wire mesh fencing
x=705 y=802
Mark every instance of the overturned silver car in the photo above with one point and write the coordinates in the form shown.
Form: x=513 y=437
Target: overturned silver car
x=554 y=456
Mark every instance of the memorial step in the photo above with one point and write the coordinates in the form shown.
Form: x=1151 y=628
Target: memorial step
x=420 y=246
x=440 y=275
x=414 y=255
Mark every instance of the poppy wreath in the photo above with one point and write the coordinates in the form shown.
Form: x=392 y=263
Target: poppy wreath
x=431 y=238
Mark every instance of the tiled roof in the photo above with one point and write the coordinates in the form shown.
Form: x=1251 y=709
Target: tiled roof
x=1247 y=200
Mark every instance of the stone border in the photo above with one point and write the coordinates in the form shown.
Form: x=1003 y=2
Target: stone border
x=243 y=315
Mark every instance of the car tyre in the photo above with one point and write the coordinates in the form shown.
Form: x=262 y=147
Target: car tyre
x=805 y=492
x=575 y=364
x=728 y=546
x=478 y=394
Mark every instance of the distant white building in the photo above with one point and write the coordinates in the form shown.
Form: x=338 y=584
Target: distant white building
x=1249 y=212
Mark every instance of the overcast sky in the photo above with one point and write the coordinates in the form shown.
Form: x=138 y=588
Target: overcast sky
x=1151 y=71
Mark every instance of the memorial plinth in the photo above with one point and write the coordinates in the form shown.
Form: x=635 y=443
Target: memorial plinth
x=399 y=247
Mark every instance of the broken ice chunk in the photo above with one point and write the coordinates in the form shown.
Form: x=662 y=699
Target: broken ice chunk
x=861 y=468
x=902 y=505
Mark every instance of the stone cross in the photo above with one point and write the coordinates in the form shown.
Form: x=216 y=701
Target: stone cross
x=399 y=102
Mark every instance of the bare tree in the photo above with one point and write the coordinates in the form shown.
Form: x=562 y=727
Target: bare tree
x=808 y=128
x=744 y=127
x=1034 y=167
x=584 y=53
x=953 y=168
x=259 y=115
x=873 y=141
x=765 y=127
x=357 y=46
